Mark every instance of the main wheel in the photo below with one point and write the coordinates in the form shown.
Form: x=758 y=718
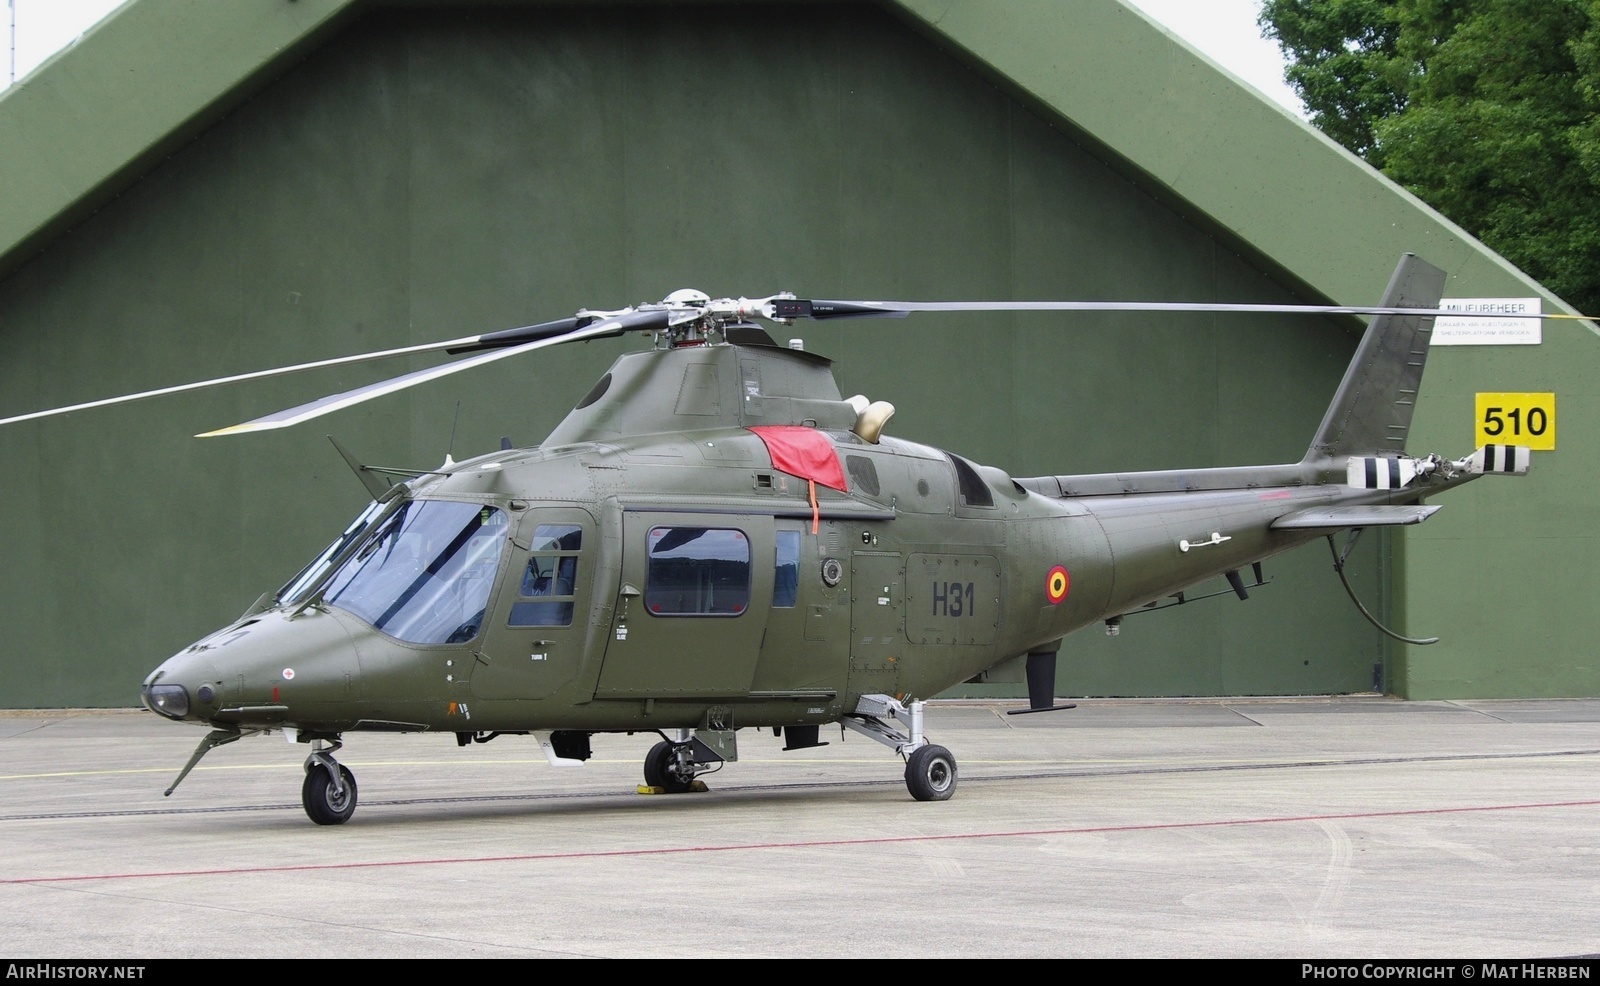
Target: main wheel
x=324 y=804
x=931 y=773
x=659 y=770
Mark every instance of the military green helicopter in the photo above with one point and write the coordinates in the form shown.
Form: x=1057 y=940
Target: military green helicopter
x=715 y=540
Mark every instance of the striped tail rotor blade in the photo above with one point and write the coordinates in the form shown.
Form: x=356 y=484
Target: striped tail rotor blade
x=1370 y=472
x=1499 y=460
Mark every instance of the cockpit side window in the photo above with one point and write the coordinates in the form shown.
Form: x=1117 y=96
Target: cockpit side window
x=425 y=574
x=545 y=596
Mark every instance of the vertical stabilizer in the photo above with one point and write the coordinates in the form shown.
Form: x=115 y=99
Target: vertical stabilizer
x=1371 y=413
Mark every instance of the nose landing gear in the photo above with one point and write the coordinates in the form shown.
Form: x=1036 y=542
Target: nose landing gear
x=329 y=791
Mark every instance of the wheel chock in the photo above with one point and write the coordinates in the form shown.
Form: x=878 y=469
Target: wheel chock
x=697 y=787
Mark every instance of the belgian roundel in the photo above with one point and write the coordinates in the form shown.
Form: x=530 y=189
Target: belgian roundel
x=1055 y=585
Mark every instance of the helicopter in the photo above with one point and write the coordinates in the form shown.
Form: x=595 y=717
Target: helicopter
x=714 y=540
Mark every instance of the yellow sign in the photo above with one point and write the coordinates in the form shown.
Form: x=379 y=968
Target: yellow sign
x=1517 y=419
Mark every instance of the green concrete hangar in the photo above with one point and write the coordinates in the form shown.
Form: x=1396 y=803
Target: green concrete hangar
x=201 y=189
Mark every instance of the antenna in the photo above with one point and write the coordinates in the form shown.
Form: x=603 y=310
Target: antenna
x=11 y=5
x=450 y=449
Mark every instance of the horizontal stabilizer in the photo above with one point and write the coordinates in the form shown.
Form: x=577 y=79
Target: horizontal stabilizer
x=1503 y=460
x=1367 y=472
x=1376 y=515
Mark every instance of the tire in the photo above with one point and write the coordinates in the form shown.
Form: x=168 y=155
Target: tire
x=658 y=772
x=323 y=804
x=931 y=774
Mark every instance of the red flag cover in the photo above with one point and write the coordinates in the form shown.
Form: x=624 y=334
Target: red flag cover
x=803 y=452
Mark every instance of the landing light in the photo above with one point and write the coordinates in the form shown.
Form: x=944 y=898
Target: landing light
x=171 y=701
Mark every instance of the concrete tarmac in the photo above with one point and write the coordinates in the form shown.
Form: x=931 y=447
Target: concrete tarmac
x=1356 y=827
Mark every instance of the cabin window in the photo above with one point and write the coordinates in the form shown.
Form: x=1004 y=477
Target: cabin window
x=424 y=574
x=697 y=571
x=786 y=570
x=545 y=596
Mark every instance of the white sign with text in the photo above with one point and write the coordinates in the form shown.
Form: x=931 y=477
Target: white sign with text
x=1494 y=323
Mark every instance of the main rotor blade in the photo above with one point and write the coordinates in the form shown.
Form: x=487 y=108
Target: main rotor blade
x=466 y=344
x=817 y=310
x=614 y=326
x=241 y=377
x=526 y=333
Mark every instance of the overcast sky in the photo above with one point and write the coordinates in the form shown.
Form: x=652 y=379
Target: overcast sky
x=1223 y=29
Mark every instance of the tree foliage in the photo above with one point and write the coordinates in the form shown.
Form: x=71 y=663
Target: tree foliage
x=1485 y=109
x=1345 y=65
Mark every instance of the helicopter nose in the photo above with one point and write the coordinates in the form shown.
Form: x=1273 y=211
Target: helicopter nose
x=184 y=683
x=171 y=699
x=253 y=671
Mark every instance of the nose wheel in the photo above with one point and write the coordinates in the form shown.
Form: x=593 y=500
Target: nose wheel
x=329 y=791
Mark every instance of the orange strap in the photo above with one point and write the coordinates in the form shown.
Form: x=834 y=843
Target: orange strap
x=811 y=493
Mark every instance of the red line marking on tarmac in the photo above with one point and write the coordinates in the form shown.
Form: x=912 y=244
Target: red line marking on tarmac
x=804 y=844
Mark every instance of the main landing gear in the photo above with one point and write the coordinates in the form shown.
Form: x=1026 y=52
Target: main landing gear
x=930 y=769
x=671 y=765
x=329 y=791
x=931 y=773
